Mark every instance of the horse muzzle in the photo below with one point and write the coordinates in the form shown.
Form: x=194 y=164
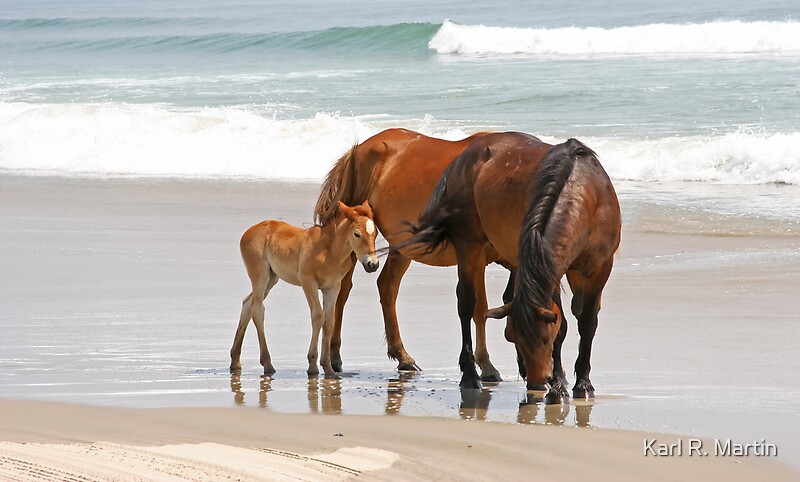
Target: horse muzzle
x=370 y=264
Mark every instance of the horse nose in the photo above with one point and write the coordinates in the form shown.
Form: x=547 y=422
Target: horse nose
x=371 y=265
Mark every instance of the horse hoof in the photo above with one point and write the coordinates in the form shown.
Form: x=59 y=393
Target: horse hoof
x=236 y=370
x=269 y=372
x=492 y=378
x=559 y=387
x=332 y=376
x=583 y=389
x=337 y=367
x=409 y=367
x=554 y=398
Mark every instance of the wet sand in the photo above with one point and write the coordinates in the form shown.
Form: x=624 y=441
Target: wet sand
x=124 y=294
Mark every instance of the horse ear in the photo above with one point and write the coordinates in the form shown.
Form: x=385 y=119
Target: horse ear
x=499 y=312
x=546 y=315
x=346 y=210
x=367 y=208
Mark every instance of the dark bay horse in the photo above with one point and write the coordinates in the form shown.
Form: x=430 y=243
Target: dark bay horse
x=396 y=171
x=547 y=211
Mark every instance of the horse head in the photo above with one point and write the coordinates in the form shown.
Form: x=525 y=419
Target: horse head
x=362 y=234
x=535 y=343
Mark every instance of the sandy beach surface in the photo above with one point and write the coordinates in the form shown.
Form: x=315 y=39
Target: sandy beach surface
x=65 y=442
x=119 y=299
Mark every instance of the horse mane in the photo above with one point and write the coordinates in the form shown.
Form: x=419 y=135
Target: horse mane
x=341 y=184
x=536 y=274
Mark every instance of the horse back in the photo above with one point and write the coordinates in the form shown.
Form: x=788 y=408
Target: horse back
x=588 y=213
x=502 y=188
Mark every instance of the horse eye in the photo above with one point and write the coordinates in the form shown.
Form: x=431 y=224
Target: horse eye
x=357 y=234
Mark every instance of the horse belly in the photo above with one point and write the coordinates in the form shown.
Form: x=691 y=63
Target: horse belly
x=287 y=270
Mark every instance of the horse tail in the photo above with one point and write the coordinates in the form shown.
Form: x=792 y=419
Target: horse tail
x=536 y=274
x=433 y=227
x=341 y=184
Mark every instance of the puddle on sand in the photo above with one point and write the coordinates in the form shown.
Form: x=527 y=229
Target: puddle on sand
x=409 y=394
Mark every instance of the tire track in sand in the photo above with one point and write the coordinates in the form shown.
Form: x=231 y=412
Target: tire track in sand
x=103 y=461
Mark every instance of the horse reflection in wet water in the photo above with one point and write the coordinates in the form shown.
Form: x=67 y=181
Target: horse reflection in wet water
x=546 y=211
x=316 y=259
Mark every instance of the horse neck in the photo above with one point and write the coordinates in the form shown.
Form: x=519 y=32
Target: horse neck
x=334 y=237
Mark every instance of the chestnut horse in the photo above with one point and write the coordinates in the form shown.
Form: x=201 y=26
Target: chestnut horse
x=316 y=259
x=397 y=170
x=547 y=211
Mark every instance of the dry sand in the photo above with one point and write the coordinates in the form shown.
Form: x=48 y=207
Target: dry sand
x=125 y=293
x=67 y=442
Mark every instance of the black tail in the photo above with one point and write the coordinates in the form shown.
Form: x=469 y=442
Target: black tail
x=433 y=228
x=536 y=274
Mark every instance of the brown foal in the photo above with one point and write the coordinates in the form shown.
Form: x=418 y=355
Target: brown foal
x=316 y=259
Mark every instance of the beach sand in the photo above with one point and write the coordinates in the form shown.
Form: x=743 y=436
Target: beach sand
x=119 y=299
x=59 y=441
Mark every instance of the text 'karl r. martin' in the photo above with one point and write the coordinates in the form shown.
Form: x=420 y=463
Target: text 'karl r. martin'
x=695 y=447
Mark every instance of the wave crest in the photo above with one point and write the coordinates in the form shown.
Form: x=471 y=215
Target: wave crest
x=733 y=37
x=734 y=158
x=152 y=140
x=156 y=140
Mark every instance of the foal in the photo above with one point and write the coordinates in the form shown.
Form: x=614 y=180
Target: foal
x=316 y=259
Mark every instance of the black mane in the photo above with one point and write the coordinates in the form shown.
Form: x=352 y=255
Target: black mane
x=536 y=274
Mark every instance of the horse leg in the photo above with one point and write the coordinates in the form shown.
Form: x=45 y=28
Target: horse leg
x=469 y=262
x=258 y=321
x=238 y=338
x=558 y=382
x=388 y=285
x=329 y=298
x=261 y=281
x=311 y=290
x=585 y=306
x=488 y=372
x=341 y=300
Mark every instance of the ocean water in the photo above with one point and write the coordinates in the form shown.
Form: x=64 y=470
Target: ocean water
x=278 y=90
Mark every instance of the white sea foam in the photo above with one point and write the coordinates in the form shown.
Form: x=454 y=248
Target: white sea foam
x=737 y=158
x=731 y=37
x=155 y=140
